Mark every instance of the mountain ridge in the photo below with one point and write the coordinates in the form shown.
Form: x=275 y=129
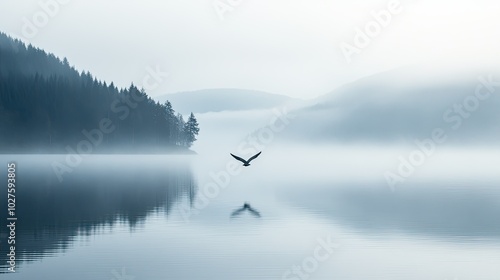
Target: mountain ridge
x=47 y=106
x=224 y=99
x=403 y=105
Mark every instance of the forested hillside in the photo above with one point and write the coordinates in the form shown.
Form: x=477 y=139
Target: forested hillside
x=48 y=106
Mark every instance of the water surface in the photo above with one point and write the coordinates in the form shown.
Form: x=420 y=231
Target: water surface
x=147 y=217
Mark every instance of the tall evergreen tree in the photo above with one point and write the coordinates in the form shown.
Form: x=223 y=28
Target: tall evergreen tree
x=172 y=126
x=181 y=139
x=191 y=130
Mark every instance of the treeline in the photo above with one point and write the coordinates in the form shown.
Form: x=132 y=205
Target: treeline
x=46 y=105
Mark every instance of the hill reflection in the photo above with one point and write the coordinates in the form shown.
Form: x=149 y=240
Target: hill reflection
x=93 y=197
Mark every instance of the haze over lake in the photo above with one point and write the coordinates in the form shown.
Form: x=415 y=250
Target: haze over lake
x=145 y=216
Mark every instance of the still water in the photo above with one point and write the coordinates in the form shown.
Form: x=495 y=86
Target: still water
x=153 y=217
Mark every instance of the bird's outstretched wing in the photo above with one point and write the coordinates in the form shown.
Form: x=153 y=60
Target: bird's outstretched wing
x=238 y=158
x=254 y=212
x=254 y=157
x=237 y=212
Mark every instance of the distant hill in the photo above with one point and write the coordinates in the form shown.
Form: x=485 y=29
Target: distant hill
x=216 y=100
x=401 y=106
x=47 y=106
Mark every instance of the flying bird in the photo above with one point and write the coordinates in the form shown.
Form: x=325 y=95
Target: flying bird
x=246 y=162
x=246 y=207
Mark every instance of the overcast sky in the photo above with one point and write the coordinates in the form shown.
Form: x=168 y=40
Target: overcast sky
x=289 y=47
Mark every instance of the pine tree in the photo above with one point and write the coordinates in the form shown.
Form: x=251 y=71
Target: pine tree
x=181 y=137
x=171 y=121
x=191 y=130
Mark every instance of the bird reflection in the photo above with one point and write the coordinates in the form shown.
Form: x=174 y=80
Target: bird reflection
x=246 y=207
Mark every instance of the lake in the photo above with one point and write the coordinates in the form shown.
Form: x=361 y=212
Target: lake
x=308 y=216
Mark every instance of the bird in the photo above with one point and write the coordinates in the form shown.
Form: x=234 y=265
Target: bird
x=246 y=207
x=246 y=162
